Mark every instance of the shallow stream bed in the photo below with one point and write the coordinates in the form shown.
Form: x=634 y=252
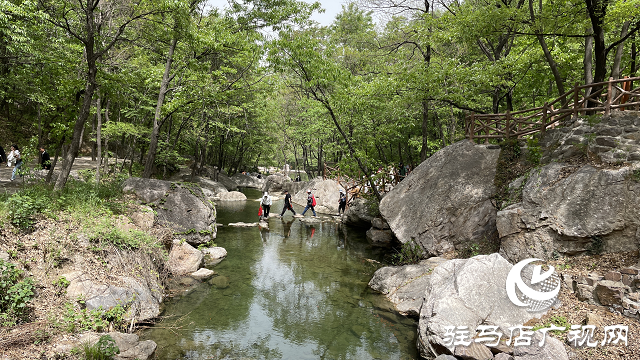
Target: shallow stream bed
x=295 y=291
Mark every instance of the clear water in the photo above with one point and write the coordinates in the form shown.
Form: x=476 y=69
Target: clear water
x=296 y=291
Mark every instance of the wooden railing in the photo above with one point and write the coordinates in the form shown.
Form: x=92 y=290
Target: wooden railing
x=602 y=97
x=384 y=180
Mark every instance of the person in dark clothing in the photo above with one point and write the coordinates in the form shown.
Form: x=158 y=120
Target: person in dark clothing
x=342 y=202
x=310 y=203
x=287 y=204
x=3 y=155
x=45 y=161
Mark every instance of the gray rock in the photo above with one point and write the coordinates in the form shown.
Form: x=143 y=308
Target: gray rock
x=275 y=182
x=359 y=214
x=214 y=255
x=182 y=207
x=381 y=238
x=445 y=357
x=445 y=203
x=610 y=131
x=610 y=293
x=129 y=345
x=503 y=356
x=585 y=293
x=213 y=186
x=466 y=292
x=184 y=259
x=243 y=224
x=404 y=285
x=327 y=193
x=232 y=196
x=606 y=141
x=202 y=274
x=144 y=218
x=551 y=350
x=475 y=351
x=570 y=214
x=220 y=282
x=248 y=181
x=140 y=298
x=229 y=183
x=148 y=190
x=379 y=223
x=4 y=256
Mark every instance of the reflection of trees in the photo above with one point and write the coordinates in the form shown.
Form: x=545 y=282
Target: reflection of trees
x=315 y=294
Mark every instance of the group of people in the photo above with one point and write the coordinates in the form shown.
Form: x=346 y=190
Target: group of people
x=15 y=159
x=266 y=203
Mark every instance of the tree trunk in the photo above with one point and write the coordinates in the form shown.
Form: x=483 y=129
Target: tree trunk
x=615 y=69
x=425 y=131
x=547 y=54
x=164 y=85
x=98 y=137
x=597 y=10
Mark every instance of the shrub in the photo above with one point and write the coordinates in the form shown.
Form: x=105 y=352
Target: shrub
x=410 y=253
x=15 y=294
x=104 y=349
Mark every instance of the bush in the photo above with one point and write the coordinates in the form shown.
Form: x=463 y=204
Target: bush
x=104 y=349
x=409 y=253
x=15 y=294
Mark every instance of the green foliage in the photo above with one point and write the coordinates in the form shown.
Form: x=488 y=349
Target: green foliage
x=483 y=247
x=22 y=209
x=534 y=152
x=410 y=253
x=104 y=349
x=61 y=283
x=556 y=320
x=635 y=175
x=15 y=294
x=77 y=320
x=103 y=233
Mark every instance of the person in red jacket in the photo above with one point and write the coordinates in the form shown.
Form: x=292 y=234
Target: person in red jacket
x=311 y=203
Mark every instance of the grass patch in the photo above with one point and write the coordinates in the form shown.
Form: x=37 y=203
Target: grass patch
x=410 y=253
x=104 y=349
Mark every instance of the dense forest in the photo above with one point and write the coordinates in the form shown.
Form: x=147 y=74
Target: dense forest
x=160 y=83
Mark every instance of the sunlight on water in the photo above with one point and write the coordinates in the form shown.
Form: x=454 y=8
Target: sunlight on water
x=296 y=291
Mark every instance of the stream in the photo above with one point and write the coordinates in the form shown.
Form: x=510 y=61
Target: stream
x=296 y=291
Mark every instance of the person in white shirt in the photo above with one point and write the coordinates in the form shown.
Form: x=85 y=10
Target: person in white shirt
x=15 y=152
x=266 y=204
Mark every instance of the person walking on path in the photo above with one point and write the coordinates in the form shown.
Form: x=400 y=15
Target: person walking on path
x=3 y=156
x=45 y=160
x=266 y=205
x=287 y=204
x=17 y=158
x=342 y=202
x=311 y=203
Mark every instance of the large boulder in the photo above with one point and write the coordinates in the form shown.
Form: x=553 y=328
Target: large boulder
x=468 y=292
x=572 y=210
x=232 y=196
x=404 y=285
x=184 y=258
x=360 y=213
x=182 y=207
x=327 y=193
x=274 y=182
x=228 y=182
x=140 y=297
x=249 y=181
x=445 y=203
x=213 y=186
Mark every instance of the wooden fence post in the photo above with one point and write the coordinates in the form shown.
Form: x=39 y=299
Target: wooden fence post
x=576 y=100
x=543 y=128
x=507 y=126
x=471 y=125
x=607 y=105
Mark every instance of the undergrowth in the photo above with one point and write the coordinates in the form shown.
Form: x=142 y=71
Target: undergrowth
x=16 y=291
x=511 y=165
x=409 y=253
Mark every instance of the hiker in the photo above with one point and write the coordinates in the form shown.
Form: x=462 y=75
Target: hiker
x=45 y=160
x=3 y=156
x=15 y=153
x=342 y=202
x=266 y=204
x=287 y=204
x=311 y=203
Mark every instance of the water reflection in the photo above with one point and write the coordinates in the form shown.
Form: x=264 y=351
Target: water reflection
x=295 y=291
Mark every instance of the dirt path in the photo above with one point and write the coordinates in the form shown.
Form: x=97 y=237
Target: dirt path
x=6 y=185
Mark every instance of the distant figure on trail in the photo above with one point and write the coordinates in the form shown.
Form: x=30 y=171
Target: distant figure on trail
x=342 y=202
x=3 y=156
x=15 y=153
x=45 y=160
x=266 y=204
x=311 y=203
x=298 y=178
x=287 y=204
x=402 y=171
